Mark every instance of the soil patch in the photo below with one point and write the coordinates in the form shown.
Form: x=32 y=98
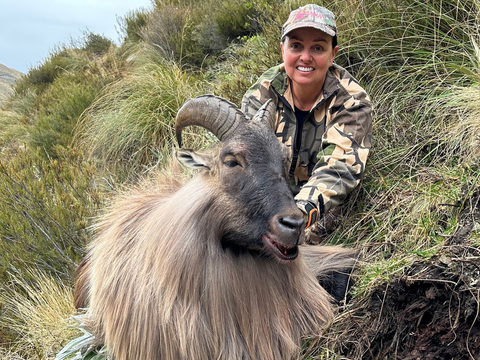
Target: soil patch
x=430 y=312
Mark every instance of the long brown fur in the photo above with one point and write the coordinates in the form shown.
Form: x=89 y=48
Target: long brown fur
x=161 y=287
x=210 y=270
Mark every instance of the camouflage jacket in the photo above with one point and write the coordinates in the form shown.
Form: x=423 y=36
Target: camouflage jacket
x=328 y=159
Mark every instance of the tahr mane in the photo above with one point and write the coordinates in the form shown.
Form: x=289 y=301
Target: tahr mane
x=214 y=270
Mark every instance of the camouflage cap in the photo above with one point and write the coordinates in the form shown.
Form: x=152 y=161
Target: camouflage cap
x=311 y=15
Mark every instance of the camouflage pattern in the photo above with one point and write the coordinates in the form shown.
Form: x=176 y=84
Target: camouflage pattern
x=329 y=160
x=311 y=15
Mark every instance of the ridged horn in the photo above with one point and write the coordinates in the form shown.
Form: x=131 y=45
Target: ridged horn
x=217 y=115
x=266 y=114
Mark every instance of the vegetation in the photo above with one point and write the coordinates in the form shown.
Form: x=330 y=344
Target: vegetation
x=129 y=126
x=96 y=116
x=39 y=315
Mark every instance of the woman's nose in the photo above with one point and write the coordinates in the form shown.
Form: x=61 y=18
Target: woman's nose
x=305 y=55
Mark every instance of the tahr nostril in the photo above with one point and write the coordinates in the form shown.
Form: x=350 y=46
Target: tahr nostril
x=289 y=222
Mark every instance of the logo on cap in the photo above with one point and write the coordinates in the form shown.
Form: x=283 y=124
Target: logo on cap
x=311 y=15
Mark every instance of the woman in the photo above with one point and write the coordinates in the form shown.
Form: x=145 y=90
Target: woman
x=323 y=114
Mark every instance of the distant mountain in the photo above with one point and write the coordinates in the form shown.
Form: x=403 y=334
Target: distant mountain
x=8 y=77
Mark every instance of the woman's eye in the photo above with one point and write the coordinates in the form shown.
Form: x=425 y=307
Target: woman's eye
x=295 y=47
x=317 y=49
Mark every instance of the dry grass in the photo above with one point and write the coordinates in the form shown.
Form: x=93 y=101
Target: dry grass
x=37 y=314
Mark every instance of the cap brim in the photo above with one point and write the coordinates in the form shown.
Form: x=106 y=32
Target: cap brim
x=324 y=28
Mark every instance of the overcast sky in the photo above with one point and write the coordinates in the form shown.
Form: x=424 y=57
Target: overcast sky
x=30 y=29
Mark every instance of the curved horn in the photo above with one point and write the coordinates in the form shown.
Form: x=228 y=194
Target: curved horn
x=266 y=114
x=213 y=113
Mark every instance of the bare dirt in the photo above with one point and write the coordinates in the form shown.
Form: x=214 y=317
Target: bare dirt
x=431 y=311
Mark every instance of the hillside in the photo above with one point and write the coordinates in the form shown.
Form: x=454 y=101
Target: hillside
x=96 y=119
x=8 y=77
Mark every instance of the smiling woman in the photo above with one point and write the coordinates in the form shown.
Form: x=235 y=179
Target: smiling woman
x=323 y=115
x=307 y=55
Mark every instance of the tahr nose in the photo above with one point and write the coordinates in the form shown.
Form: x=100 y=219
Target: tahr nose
x=290 y=223
x=288 y=227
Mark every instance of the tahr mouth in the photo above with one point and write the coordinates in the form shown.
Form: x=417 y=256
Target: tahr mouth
x=282 y=252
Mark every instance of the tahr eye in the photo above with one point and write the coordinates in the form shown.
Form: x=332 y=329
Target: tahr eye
x=231 y=163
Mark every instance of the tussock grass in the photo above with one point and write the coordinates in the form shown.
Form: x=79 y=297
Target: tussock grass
x=131 y=125
x=419 y=61
x=37 y=314
x=463 y=135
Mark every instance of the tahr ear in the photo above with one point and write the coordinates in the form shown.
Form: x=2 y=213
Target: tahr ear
x=192 y=159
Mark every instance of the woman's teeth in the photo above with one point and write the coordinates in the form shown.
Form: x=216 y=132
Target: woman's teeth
x=301 y=68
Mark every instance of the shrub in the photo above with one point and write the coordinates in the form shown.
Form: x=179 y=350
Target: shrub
x=13 y=129
x=41 y=76
x=171 y=30
x=242 y=65
x=236 y=18
x=45 y=209
x=96 y=44
x=62 y=104
x=131 y=25
x=193 y=34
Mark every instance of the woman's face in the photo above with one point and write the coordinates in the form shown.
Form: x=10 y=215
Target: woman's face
x=307 y=54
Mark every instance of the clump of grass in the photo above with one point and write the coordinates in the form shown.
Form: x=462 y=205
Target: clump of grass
x=408 y=213
x=410 y=55
x=419 y=63
x=131 y=125
x=36 y=314
x=462 y=135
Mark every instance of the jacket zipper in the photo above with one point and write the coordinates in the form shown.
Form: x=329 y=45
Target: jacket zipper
x=298 y=129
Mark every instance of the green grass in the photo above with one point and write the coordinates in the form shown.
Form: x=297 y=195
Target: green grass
x=130 y=126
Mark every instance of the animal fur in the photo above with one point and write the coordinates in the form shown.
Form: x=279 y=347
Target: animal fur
x=184 y=274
